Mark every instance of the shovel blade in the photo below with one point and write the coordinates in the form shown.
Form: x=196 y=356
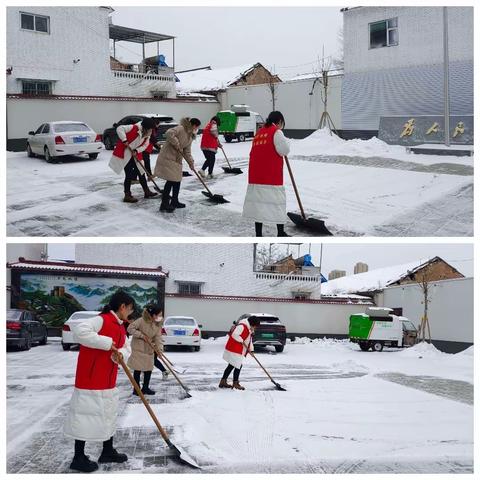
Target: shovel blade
x=186 y=174
x=183 y=456
x=234 y=170
x=279 y=387
x=215 y=198
x=310 y=223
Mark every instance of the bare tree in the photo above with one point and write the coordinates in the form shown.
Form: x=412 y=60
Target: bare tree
x=424 y=280
x=266 y=254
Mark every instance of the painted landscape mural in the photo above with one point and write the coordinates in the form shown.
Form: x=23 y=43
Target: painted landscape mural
x=55 y=297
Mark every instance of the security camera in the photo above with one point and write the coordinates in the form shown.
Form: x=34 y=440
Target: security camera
x=76 y=60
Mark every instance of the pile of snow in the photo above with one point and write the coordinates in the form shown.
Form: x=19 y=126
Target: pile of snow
x=468 y=352
x=323 y=142
x=422 y=349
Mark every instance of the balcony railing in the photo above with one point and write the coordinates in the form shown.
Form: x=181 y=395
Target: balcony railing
x=287 y=276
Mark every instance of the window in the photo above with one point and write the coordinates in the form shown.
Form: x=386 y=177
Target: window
x=46 y=128
x=384 y=33
x=36 y=23
x=36 y=87
x=39 y=129
x=71 y=127
x=301 y=295
x=189 y=288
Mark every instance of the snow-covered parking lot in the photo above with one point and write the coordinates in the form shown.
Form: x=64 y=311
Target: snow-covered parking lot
x=358 y=188
x=344 y=411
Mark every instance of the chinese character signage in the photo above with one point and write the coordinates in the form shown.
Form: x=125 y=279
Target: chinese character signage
x=421 y=129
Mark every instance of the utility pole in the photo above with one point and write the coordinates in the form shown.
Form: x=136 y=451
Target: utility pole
x=446 y=109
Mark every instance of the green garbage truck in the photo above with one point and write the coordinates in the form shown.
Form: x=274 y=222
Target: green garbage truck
x=378 y=327
x=239 y=123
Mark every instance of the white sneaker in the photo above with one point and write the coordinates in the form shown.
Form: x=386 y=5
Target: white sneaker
x=165 y=375
x=202 y=173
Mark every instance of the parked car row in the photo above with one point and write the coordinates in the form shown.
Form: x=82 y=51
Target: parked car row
x=24 y=329
x=58 y=139
x=185 y=331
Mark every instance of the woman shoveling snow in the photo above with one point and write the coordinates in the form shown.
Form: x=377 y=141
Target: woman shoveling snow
x=236 y=350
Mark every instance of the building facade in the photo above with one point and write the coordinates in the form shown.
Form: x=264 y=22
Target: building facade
x=393 y=64
x=216 y=283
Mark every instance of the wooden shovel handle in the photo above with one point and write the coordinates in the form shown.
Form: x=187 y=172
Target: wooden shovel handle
x=258 y=361
x=295 y=187
x=203 y=183
x=228 y=163
x=159 y=353
x=163 y=433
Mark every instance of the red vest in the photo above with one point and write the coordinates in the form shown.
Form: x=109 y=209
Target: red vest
x=208 y=140
x=120 y=147
x=152 y=141
x=266 y=165
x=95 y=368
x=234 y=346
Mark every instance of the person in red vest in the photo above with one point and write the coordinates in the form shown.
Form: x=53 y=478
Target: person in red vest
x=154 y=143
x=239 y=343
x=132 y=141
x=209 y=145
x=265 y=200
x=93 y=407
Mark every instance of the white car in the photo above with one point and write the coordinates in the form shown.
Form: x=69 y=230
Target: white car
x=184 y=331
x=57 y=139
x=68 y=337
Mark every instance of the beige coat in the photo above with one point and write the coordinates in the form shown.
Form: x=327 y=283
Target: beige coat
x=177 y=146
x=141 y=357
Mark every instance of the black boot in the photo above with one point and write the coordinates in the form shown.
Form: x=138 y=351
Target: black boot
x=166 y=206
x=146 y=381
x=281 y=231
x=175 y=191
x=136 y=376
x=83 y=464
x=80 y=461
x=110 y=455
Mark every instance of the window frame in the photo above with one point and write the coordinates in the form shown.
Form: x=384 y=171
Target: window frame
x=183 y=284
x=36 y=83
x=34 y=16
x=387 y=31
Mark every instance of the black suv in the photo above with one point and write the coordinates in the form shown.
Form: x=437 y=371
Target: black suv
x=24 y=328
x=270 y=331
x=110 y=137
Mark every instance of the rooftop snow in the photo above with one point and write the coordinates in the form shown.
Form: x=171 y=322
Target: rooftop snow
x=376 y=279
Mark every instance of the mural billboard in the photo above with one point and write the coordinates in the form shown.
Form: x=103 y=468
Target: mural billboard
x=55 y=297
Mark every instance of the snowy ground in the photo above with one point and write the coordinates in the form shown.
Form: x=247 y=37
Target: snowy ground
x=344 y=411
x=358 y=188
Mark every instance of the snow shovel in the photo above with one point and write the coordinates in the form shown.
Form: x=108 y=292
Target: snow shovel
x=164 y=357
x=302 y=221
x=180 y=454
x=159 y=354
x=277 y=385
x=229 y=169
x=157 y=188
x=215 y=198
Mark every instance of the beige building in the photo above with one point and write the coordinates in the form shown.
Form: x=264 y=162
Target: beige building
x=336 y=274
x=360 y=268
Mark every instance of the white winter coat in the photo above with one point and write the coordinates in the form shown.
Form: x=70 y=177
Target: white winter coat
x=140 y=143
x=268 y=203
x=93 y=413
x=236 y=359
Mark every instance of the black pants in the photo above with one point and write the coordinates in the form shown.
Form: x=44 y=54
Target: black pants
x=228 y=371
x=259 y=227
x=158 y=363
x=80 y=447
x=210 y=160
x=173 y=187
x=146 y=378
x=131 y=173
x=146 y=162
